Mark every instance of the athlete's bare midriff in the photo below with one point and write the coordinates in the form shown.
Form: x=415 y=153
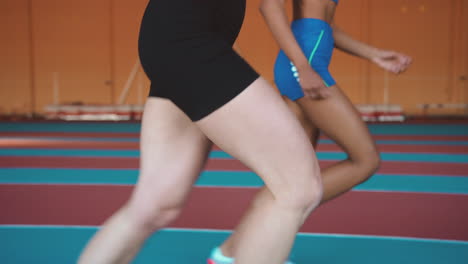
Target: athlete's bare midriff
x=319 y=9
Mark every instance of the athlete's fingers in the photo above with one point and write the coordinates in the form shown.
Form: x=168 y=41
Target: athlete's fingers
x=311 y=94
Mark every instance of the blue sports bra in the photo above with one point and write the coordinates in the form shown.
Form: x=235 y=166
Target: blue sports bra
x=336 y=1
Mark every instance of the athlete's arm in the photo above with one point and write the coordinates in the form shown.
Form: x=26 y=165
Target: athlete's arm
x=389 y=60
x=275 y=16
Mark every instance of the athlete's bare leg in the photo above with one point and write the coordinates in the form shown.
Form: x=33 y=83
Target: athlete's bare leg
x=173 y=152
x=277 y=149
x=338 y=119
x=259 y=136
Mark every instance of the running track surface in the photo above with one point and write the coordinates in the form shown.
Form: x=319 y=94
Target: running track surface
x=59 y=181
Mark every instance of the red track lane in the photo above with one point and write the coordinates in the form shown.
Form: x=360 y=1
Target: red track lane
x=449 y=149
x=137 y=135
x=437 y=216
x=70 y=134
x=418 y=137
x=387 y=167
x=64 y=144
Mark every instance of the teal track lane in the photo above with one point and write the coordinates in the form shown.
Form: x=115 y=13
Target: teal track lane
x=109 y=127
x=379 y=182
x=62 y=244
x=50 y=244
x=321 y=141
x=404 y=157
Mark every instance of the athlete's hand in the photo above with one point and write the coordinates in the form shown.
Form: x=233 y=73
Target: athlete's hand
x=312 y=84
x=392 y=61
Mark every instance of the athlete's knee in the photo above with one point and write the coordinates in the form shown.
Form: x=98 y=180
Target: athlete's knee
x=302 y=195
x=305 y=197
x=368 y=163
x=149 y=216
x=372 y=162
x=153 y=218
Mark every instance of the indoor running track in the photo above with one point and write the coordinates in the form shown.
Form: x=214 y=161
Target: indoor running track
x=59 y=181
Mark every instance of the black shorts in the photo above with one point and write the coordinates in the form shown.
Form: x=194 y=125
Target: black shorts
x=185 y=48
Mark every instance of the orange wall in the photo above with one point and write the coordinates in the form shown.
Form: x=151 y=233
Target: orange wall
x=126 y=16
x=424 y=29
x=15 y=70
x=91 y=46
x=72 y=39
x=461 y=68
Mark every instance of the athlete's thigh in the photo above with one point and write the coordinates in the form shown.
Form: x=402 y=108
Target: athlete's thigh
x=173 y=152
x=257 y=128
x=337 y=117
x=310 y=129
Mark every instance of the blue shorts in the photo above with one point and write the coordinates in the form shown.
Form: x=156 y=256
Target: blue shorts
x=315 y=37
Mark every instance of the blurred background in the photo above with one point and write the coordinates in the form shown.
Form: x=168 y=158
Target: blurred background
x=77 y=60
x=58 y=52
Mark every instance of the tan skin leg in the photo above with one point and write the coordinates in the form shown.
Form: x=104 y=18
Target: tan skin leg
x=338 y=119
x=174 y=150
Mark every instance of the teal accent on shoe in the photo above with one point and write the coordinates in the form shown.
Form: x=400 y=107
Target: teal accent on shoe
x=219 y=258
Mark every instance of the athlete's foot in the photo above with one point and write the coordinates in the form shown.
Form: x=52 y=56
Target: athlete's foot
x=217 y=257
x=211 y=261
